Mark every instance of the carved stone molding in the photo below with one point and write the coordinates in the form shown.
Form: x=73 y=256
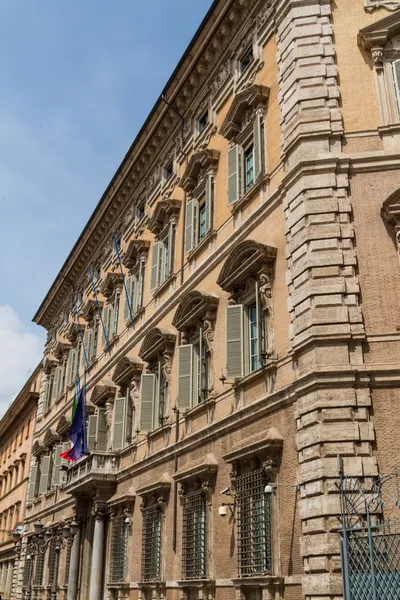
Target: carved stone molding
x=50 y=438
x=249 y=99
x=166 y=211
x=248 y=259
x=38 y=449
x=193 y=308
x=156 y=343
x=266 y=446
x=61 y=349
x=91 y=309
x=200 y=162
x=371 y=5
x=100 y=510
x=102 y=392
x=112 y=282
x=126 y=369
x=136 y=252
x=49 y=363
x=63 y=426
x=73 y=331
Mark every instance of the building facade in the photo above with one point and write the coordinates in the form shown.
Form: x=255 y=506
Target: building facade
x=16 y=433
x=255 y=334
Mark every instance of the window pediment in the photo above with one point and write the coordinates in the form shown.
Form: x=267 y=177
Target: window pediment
x=164 y=211
x=103 y=391
x=156 y=342
x=247 y=260
x=63 y=426
x=90 y=308
x=193 y=307
x=123 y=497
x=379 y=33
x=111 y=281
x=73 y=332
x=160 y=486
x=136 y=251
x=49 y=363
x=51 y=437
x=126 y=370
x=371 y=5
x=255 y=445
x=204 y=466
x=391 y=214
x=38 y=449
x=61 y=348
x=199 y=162
x=250 y=99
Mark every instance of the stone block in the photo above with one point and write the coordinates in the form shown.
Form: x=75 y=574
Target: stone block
x=314 y=526
x=327 y=583
x=320 y=544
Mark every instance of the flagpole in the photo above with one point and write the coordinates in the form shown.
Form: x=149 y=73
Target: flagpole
x=84 y=413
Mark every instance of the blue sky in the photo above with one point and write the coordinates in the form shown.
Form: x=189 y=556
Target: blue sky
x=78 y=78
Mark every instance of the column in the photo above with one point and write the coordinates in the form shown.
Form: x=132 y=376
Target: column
x=9 y=580
x=73 y=574
x=100 y=512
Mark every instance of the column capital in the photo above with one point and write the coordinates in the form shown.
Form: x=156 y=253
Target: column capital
x=100 y=510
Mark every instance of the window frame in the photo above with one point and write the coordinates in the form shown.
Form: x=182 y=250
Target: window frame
x=163 y=257
x=205 y=191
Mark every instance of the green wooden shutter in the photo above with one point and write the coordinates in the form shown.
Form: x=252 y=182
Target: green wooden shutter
x=44 y=475
x=257 y=147
x=33 y=478
x=185 y=376
x=189 y=227
x=92 y=429
x=119 y=423
x=139 y=287
x=209 y=202
x=128 y=419
x=47 y=394
x=171 y=247
x=115 y=317
x=71 y=365
x=56 y=479
x=234 y=340
x=55 y=384
x=101 y=433
x=128 y=283
x=86 y=343
x=107 y=315
x=155 y=266
x=147 y=392
x=234 y=174
x=61 y=379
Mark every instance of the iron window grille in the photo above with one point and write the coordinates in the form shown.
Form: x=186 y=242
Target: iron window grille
x=52 y=561
x=254 y=524
x=194 y=535
x=119 y=539
x=26 y=572
x=38 y=579
x=67 y=563
x=151 y=542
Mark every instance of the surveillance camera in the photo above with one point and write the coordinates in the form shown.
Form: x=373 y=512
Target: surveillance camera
x=226 y=491
x=268 y=489
x=223 y=511
x=127 y=521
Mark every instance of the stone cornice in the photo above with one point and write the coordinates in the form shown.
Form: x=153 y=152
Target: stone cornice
x=377 y=34
x=221 y=28
x=26 y=400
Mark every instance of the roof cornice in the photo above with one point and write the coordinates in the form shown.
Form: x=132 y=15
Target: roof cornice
x=203 y=54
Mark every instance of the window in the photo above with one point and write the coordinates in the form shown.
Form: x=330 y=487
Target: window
x=254 y=523
x=110 y=317
x=74 y=358
x=38 y=579
x=245 y=163
x=91 y=339
x=202 y=122
x=58 y=381
x=46 y=467
x=134 y=286
x=245 y=338
x=168 y=170
x=58 y=472
x=153 y=397
x=193 y=372
x=246 y=58
x=51 y=574
x=118 y=554
x=97 y=431
x=140 y=211
x=96 y=272
x=26 y=574
x=151 y=541
x=194 y=535
x=122 y=430
x=199 y=215
x=163 y=257
x=48 y=394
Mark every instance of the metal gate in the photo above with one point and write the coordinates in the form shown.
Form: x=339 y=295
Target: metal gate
x=370 y=540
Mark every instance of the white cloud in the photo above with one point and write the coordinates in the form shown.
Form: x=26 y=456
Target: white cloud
x=20 y=353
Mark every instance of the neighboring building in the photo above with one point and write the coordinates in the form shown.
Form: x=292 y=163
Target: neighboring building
x=258 y=242
x=16 y=432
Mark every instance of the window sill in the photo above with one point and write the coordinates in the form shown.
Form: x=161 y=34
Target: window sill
x=202 y=406
x=118 y=585
x=163 y=286
x=257 y=581
x=160 y=430
x=249 y=195
x=203 y=244
x=136 y=315
x=195 y=583
x=271 y=364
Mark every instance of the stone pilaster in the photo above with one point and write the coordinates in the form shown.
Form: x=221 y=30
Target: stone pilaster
x=333 y=406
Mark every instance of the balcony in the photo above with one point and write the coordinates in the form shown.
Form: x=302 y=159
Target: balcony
x=97 y=470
